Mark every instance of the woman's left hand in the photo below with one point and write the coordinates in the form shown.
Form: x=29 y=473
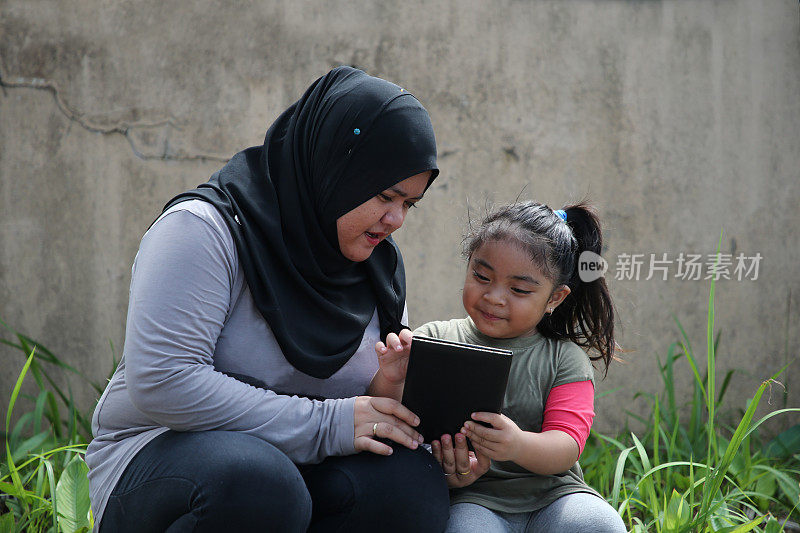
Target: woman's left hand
x=501 y=442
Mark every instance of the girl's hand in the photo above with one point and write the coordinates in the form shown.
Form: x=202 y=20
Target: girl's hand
x=461 y=466
x=383 y=418
x=501 y=442
x=393 y=356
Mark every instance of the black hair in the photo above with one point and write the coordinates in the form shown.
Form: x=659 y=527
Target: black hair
x=586 y=316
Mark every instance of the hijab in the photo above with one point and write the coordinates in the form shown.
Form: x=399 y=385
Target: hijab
x=349 y=137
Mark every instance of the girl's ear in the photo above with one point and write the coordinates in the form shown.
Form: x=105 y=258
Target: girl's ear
x=558 y=295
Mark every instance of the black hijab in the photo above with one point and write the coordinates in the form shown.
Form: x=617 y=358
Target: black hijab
x=348 y=138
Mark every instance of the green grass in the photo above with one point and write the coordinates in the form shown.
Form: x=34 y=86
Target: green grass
x=691 y=470
x=43 y=483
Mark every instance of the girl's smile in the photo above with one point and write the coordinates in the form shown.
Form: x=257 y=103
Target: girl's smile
x=505 y=293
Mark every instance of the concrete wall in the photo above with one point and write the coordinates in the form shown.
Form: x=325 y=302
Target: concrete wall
x=678 y=119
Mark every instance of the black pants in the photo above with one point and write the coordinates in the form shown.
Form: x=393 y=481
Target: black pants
x=227 y=481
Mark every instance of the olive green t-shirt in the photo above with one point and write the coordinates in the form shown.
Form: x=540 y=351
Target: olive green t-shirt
x=539 y=364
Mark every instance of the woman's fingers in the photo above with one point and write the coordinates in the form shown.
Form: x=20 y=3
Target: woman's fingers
x=367 y=444
x=380 y=418
x=400 y=434
x=392 y=407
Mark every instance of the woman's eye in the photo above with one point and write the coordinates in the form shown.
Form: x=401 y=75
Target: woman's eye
x=520 y=291
x=384 y=197
x=410 y=205
x=479 y=276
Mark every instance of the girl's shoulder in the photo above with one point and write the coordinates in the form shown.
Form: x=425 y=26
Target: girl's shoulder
x=453 y=329
x=573 y=362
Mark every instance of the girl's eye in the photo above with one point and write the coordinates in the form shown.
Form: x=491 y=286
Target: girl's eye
x=479 y=277
x=520 y=291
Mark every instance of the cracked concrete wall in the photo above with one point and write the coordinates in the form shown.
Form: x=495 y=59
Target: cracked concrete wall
x=678 y=120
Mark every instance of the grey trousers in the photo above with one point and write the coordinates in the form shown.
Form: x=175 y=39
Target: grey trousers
x=573 y=513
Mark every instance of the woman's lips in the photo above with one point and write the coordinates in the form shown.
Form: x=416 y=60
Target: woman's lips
x=374 y=238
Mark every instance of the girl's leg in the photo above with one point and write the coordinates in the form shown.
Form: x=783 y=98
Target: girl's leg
x=576 y=513
x=474 y=518
x=208 y=481
x=405 y=491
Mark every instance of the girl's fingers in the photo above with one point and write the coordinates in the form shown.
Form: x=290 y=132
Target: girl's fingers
x=448 y=455
x=492 y=419
x=393 y=341
x=475 y=431
x=436 y=450
x=462 y=455
x=381 y=348
x=406 y=336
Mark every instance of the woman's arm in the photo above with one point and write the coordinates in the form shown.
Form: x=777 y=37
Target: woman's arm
x=180 y=298
x=179 y=301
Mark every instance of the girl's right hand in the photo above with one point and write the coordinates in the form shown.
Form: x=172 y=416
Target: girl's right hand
x=461 y=466
x=383 y=418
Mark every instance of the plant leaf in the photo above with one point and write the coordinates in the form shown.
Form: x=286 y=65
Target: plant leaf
x=72 y=495
x=7 y=523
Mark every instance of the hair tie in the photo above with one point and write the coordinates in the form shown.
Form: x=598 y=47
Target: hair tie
x=561 y=214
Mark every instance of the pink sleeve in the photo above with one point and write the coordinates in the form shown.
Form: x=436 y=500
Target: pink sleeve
x=570 y=408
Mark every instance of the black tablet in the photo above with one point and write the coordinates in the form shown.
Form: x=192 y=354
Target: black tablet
x=447 y=381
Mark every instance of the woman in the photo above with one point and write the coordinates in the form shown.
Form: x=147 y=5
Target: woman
x=248 y=381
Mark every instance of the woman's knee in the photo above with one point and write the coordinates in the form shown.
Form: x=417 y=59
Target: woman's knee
x=402 y=492
x=248 y=483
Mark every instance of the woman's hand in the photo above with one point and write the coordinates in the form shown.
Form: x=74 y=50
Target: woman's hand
x=501 y=442
x=461 y=466
x=393 y=356
x=383 y=418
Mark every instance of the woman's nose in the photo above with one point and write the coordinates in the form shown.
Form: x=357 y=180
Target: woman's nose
x=394 y=217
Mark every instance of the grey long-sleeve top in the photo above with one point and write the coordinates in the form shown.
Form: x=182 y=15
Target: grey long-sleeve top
x=191 y=317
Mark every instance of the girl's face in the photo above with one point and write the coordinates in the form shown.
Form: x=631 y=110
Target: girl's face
x=361 y=229
x=505 y=293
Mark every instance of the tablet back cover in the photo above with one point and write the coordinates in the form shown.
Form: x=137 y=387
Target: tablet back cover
x=447 y=381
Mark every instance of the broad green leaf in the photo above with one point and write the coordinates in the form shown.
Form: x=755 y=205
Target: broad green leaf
x=677 y=513
x=765 y=488
x=7 y=523
x=772 y=526
x=785 y=444
x=72 y=496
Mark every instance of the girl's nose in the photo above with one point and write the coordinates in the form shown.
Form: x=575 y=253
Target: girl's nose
x=494 y=295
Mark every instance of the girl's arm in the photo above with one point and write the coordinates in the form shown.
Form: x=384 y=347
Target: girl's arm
x=390 y=378
x=567 y=420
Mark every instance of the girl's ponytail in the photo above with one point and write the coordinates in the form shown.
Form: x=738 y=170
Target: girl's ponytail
x=586 y=316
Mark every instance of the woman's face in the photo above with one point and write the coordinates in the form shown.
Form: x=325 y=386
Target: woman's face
x=361 y=229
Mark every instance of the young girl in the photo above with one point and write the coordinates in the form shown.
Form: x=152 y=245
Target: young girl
x=523 y=292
